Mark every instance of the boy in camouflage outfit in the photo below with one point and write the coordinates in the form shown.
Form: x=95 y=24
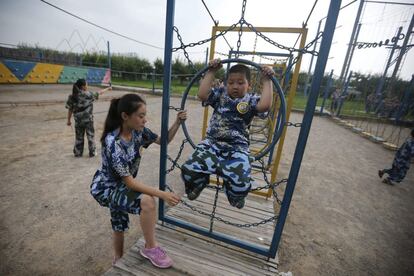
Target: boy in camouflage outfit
x=80 y=104
x=225 y=150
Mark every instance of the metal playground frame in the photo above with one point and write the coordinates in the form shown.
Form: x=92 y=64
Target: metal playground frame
x=269 y=252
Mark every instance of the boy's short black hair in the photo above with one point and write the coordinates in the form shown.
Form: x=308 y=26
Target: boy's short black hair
x=240 y=68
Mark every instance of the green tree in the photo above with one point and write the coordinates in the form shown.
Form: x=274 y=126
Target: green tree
x=159 y=66
x=180 y=69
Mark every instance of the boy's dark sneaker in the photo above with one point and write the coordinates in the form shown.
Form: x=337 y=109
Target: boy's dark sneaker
x=194 y=192
x=78 y=155
x=380 y=173
x=388 y=181
x=92 y=154
x=236 y=201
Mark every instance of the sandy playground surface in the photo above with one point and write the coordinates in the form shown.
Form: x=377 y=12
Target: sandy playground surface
x=342 y=220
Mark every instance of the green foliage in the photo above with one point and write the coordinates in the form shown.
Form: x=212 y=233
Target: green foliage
x=159 y=66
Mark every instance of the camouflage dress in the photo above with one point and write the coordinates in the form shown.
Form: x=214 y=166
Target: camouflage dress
x=82 y=109
x=225 y=151
x=120 y=159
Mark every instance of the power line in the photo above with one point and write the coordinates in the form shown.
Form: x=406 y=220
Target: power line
x=310 y=13
x=215 y=22
x=103 y=28
x=353 y=1
x=306 y=22
x=212 y=18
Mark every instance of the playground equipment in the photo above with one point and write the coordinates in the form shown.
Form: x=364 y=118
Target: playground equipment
x=381 y=114
x=305 y=125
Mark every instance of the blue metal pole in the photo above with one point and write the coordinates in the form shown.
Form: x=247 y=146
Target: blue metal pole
x=228 y=64
x=288 y=73
x=351 y=39
x=305 y=92
x=404 y=101
x=403 y=51
x=343 y=94
x=307 y=121
x=378 y=92
x=326 y=92
x=348 y=65
x=206 y=61
x=109 y=63
x=169 y=24
x=153 y=80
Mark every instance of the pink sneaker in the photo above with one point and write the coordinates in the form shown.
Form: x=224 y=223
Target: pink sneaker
x=157 y=256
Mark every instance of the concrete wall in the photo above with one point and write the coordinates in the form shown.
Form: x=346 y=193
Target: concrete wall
x=21 y=72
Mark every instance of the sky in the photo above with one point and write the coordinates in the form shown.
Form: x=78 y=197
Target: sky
x=36 y=23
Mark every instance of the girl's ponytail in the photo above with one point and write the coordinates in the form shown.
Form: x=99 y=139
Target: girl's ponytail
x=113 y=119
x=76 y=89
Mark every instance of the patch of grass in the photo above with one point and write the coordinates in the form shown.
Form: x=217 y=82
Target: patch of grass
x=300 y=101
x=176 y=86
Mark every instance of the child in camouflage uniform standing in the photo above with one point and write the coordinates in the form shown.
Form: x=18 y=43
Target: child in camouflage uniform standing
x=80 y=104
x=225 y=150
x=401 y=162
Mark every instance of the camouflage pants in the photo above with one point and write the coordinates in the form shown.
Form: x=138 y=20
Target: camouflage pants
x=122 y=201
x=232 y=166
x=80 y=129
x=398 y=170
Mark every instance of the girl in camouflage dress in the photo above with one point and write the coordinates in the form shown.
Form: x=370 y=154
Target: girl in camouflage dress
x=80 y=104
x=401 y=162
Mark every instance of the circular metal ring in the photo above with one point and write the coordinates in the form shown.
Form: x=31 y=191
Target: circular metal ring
x=281 y=120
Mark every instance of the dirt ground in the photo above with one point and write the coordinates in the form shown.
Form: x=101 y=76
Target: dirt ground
x=342 y=220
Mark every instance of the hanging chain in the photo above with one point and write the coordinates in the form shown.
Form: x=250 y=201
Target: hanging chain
x=220 y=219
x=201 y=42
x=254 y=47
x=213 y=213
x=243 y=9
x=280 y=46
x=269 y=185
x=187 y=56
x=239 y=40
x=305 y=50
x=174 y=108
x=240 y=33
x=175 y=161
x=240 y=23
x=289 y=124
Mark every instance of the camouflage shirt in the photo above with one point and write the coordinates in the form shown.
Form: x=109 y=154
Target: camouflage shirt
x=82 y=108
x=119 y=159
x=231 y=118
x=405 y=152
